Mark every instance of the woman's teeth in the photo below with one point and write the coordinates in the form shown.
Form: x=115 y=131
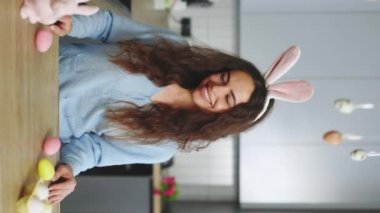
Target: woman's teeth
x=207 y=95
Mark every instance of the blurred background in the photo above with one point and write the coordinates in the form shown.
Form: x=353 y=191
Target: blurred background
x=285 y=164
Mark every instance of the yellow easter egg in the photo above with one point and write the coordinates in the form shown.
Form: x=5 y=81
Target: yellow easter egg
x=45 y=169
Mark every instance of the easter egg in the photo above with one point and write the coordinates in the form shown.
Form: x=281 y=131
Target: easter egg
x=44 y=40
x=358 y=155
x=344 y=106
x=34 y=205
x=48 y=208
x=333 y=137
x=45 y=169
x=51 y=145
x=42 y=191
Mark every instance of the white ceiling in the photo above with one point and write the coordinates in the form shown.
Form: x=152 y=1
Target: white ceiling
x=265 y=6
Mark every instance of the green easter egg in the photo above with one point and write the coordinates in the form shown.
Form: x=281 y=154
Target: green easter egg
x=45 y=169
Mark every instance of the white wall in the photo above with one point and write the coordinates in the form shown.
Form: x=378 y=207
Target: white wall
x=284 y=162
x=309 y=6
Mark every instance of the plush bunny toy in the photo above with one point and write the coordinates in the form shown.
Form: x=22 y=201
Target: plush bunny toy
x=49 y=11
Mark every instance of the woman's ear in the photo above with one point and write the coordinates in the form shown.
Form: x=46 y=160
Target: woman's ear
x=282 y=64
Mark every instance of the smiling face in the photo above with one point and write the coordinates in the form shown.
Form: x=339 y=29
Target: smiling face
x=222 y=91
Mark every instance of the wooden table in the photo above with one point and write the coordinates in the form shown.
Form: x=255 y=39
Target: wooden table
x=157 y=201
x=28 y=102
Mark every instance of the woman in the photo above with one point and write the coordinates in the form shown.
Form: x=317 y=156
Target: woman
x=144 y=93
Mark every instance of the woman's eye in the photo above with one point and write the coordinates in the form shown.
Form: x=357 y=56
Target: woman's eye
x=224 y=77
x=228 y=100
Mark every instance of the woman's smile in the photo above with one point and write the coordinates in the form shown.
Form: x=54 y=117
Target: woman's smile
x=205 y=91
x=223 y=91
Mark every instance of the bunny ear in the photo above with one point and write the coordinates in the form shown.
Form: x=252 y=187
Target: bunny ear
x=292 y=91
x=282 y=64
x=86 y=10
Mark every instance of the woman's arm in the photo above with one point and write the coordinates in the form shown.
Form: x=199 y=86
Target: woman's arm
x=109 y=27
x=91 y=150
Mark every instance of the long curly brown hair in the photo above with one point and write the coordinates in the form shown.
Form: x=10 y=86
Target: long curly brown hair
x=164 y=63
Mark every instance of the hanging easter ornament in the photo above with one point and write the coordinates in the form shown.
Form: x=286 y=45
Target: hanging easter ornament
x=361 y=155
x=346 y=106
x=335 y=137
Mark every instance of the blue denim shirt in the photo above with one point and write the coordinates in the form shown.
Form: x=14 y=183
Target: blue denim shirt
x=89 y=82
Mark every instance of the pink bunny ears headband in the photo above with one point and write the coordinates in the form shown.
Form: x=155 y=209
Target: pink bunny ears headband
x=295 y=91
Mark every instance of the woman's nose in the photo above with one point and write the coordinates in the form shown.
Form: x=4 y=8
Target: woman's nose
x=220 y=90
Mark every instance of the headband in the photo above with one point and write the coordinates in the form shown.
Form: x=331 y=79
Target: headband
x=295 y=91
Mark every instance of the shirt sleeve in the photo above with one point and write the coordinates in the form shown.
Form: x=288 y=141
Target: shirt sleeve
x=109 y=27
x=91 y=150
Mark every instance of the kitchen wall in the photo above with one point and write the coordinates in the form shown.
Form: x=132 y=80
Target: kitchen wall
x=285 y=163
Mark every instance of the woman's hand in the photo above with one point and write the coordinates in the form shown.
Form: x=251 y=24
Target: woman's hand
x=63 y=183
x=63 y=26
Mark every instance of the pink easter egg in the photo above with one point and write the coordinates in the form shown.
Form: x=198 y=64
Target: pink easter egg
x=51 y=145
x=44 y=40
